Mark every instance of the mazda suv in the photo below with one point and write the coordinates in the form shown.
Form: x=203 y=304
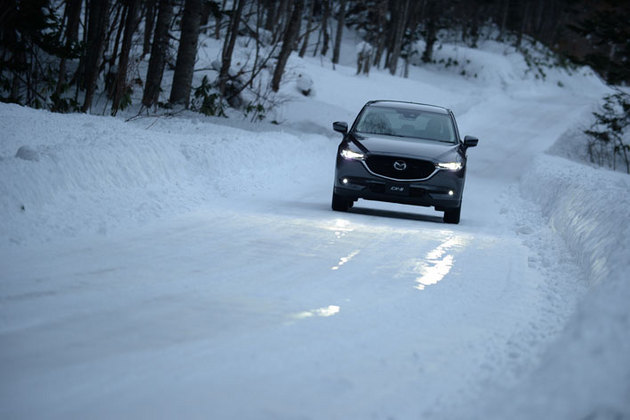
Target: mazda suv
x=402 y=152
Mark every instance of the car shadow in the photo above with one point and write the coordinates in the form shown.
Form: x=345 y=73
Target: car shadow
x=366 y=211
x=396 y=214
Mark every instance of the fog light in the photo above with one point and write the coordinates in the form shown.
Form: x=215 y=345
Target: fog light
x=450 y=192
x=345 y=180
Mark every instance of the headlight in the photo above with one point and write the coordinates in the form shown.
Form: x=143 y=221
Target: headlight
x=351 y=154
x=451 y=166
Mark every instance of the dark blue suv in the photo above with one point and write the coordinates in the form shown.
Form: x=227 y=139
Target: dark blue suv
x=402 y=152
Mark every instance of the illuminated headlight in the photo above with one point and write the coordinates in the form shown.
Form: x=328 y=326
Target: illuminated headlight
x=351 y=154
x=451 y=166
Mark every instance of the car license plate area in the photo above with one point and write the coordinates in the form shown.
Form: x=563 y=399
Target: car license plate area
x=397 y=189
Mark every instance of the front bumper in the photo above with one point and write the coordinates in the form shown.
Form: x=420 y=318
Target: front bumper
x=443 y=190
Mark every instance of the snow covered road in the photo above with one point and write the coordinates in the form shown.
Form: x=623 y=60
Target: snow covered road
x=272 y=314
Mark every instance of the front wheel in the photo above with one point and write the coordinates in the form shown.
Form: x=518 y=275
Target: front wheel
x=452 y=215
x=340 y=203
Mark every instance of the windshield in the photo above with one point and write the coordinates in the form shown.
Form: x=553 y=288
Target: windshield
x=404 y=122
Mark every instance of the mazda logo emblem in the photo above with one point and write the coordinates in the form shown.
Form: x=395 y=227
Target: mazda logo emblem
x=400 y=165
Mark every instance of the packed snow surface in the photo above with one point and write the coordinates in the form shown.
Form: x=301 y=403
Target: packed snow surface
x=191 y=267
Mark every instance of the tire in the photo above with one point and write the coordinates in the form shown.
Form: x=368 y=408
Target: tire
x=340 y=203
x=452 y=215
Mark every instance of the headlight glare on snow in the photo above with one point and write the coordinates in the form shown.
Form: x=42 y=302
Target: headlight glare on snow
x=352 y=155
x=451 y=166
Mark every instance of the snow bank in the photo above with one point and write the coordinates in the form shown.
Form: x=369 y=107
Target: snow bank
x=494 y=64
x=589 y=207
x=65 y=175
x=585 y=374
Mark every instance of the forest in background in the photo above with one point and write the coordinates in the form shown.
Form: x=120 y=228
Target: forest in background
x=59 y=54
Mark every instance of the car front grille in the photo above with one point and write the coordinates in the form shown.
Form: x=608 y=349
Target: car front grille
x=399 y=168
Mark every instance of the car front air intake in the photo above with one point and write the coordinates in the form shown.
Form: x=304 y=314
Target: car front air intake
x=399 y=168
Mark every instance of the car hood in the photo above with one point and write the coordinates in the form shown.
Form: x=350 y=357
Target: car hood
x=409 y=147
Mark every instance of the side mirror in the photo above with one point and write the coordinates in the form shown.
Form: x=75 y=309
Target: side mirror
x=340 y=126
x=470 y=141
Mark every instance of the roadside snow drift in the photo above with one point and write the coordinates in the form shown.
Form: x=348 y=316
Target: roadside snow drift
x=64 y=175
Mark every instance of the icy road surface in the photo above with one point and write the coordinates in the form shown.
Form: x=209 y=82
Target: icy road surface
x=274 y=315
x=272 y=306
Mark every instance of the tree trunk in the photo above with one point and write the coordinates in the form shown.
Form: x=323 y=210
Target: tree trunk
x=380 y=39
x=159 y=48
x=72 y=32
x=277 y=11
x=123 y=61
x=475 y=31
x=80 y=73
x=401 y=23
x=74 y=18
x=340 y=22
x=298 y=29
x=205 y=11
x=186 y=54
x=228 y=45
x=427 y=55
x=272 y=13
x=412 y=26
x=218 y=19
x=149 y=21
x=391 y=30
x=319 y=39
x=326 y=36
x=524 y=24
x=98 y=19
x=287 y=43
x=309 y=24
x=110 y=75
x=506 y=10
